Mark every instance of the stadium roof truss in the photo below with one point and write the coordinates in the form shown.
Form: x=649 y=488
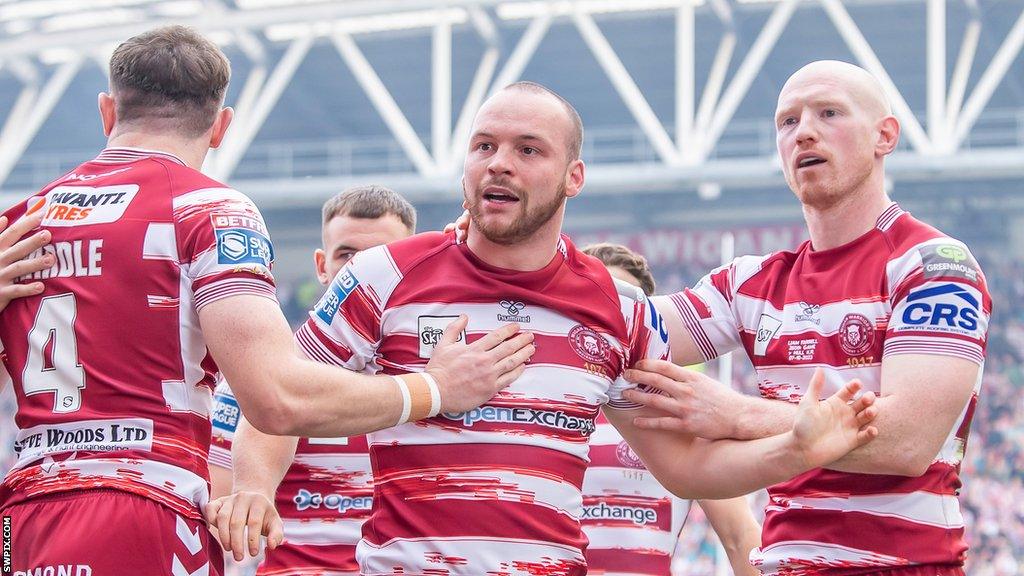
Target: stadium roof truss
x=47 y=42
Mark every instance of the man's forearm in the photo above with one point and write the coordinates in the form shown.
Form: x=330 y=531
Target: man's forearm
x=259 y=460
x=758 y=417
x=737 y=529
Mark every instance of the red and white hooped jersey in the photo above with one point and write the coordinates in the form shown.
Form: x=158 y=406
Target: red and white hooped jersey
x=324 y=497
x=901 y=288
x=632 y=521
x=495 y=489
x=112 y=375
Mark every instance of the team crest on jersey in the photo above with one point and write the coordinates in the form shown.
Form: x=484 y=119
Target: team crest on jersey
x=242 y=239
x=627 y=457
x=856 y=334
x=81 y=205
x=430 y=329
x=588 y=344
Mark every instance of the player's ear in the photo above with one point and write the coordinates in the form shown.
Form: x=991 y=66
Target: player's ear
x=574 y=178
x=888 y=135
x=320 y=262
x=108 y=112
x=220 y=126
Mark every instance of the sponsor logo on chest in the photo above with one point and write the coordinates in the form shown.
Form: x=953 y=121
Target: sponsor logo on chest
x=513 y=312
x=767 y=328
x=430 y=329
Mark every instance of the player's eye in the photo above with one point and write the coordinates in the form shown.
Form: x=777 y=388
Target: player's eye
x=484 y=147
x=529 y=150
x=829 y=113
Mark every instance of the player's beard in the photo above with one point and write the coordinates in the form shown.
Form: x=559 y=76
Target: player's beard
x=524 y=225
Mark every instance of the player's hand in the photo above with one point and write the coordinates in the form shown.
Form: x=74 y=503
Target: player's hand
x=692 y=403
x=460 y=226
x=240 y=519
x=825 y=431
x=15 y=247
x=469 y=375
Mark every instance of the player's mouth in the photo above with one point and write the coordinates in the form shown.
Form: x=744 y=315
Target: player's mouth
x=499 y=195
x=806 y=160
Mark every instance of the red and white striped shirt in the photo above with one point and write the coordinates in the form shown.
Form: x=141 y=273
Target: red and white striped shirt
x=495 y=489
x=632 y=521
x=113 y=379
x=324 y=497
x=902 y=288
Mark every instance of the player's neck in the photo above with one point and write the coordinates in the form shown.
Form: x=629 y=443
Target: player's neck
x=845 y=220
x=531 y=254
x=191 y=153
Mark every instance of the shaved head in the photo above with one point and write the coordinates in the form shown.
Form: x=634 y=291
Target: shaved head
x=858 y=83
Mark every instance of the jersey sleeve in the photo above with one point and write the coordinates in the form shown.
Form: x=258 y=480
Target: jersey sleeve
x=647 y=338
x=344 y=328
x=707 y=309
x=224 y=246
x=940 y=303
x=226 y=417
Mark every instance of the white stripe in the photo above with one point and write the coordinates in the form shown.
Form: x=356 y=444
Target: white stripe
x=403 y=389
x=798 y=377
x=339 y=463
x=507 y=556
x=773 y=558
x=939 y=511
x=607 y=481
x=516 y=486
x=322 y=532
x=634 y=538
x=427 y=432
x=161 y=242
x=482 y=318
x=749 y=310
x=367 y=266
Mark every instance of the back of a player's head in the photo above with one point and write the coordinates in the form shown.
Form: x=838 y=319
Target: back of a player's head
x=169 y=78
x=575 y=143
x=370 y=202
x=618 y=256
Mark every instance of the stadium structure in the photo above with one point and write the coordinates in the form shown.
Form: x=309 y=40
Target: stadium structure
x=677 y=97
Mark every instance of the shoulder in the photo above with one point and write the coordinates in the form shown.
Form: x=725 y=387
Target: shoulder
x=418 y=248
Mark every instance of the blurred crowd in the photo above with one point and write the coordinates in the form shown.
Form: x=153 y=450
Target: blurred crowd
x=993 y=472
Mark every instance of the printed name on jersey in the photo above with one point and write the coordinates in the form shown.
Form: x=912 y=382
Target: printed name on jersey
x=950 y=307
x=627 y=457
x=305 y=500
x=343 y=284
x=588 y=344
x=225 y=412
x=81 y=205
x=548 y=418
x=767 y=328
x=948 y=260
x=242 y=239
x=856 y=334
x=513 y=308
x=637 y=514
x=78 y=258
x=430 y=329
x=85 y=436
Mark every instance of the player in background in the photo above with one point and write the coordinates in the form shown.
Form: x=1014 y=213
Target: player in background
x=160 y=278
x=875 y=296
x=322 y=487
x=632 y=521
x=497 y=488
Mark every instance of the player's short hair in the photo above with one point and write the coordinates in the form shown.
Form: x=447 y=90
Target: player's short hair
x=576 y=138
x=172 y=75
x=370 y=202
x=633 y=263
